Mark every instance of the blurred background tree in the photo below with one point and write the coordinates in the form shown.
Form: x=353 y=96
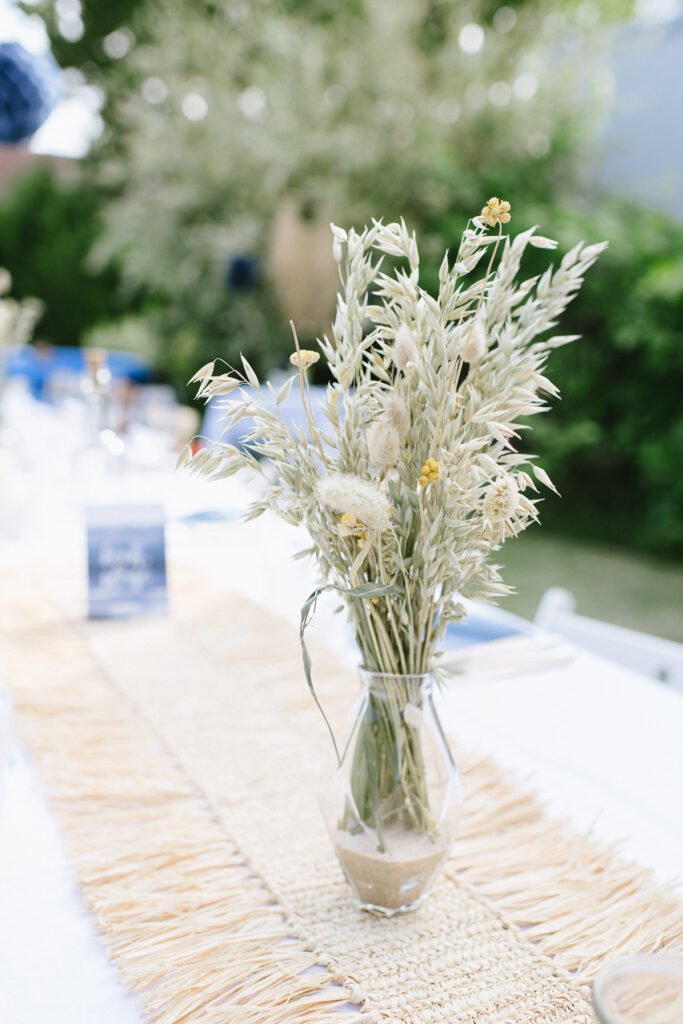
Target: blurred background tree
x=47 y=230
x=234 y=132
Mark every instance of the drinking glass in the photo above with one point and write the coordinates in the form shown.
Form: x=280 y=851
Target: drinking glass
x=640 y=990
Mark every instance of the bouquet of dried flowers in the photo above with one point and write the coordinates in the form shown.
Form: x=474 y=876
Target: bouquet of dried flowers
x=416 y=476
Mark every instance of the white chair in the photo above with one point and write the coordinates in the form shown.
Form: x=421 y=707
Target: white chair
x=650 y=655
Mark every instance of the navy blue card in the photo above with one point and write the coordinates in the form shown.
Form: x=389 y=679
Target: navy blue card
x=126 y=561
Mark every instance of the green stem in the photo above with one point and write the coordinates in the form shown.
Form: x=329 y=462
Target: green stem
x=398 y=634
x=387 y=771
x=426 y=647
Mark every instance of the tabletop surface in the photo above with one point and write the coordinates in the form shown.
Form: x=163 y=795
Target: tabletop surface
x=600 y=744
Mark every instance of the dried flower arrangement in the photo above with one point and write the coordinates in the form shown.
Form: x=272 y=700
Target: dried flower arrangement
x=413 y=481
x=417 y=477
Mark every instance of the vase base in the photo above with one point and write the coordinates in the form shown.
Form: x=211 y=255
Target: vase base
x=393 y=880
x=379 y=911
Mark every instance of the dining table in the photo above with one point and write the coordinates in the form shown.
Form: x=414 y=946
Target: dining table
x=598 y=744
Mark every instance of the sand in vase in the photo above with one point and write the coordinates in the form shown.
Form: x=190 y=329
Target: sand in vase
x=394 y=878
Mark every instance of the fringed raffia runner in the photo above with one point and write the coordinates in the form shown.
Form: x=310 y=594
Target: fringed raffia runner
x=181 y=758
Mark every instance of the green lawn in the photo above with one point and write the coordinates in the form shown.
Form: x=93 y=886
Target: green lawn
x=608 y=583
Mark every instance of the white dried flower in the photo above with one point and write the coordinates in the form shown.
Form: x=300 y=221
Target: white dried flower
x=501 y=500
x=404 y=349
x=396 y=412
x=350 y=495
x=383 y=444
x=476 y=342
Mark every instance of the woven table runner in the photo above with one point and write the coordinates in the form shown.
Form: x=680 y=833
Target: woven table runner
x=182 y=757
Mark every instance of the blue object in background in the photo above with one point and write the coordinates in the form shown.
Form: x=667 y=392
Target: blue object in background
x=478 y=628
x=38 y=366
x=126 y=561
x=214 y=428
x=211 y=515
x=29 y=90
x=243 y=273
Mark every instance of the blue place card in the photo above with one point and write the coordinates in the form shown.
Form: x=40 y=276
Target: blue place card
x=126 y=561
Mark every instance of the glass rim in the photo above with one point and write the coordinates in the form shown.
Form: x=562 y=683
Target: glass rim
x=370 y=675
x=653 y=963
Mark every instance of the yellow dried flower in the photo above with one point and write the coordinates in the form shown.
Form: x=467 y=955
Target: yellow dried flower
x=496 y=211
x=303 y=358
x=351 y=526
x=363 y=500
x=429 y=473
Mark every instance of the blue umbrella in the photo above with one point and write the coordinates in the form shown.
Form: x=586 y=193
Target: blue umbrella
x=29 y=89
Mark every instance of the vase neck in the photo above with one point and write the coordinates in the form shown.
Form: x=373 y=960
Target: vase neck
x=399 y=688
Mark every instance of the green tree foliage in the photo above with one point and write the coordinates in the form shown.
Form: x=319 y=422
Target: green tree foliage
x=617 y=437
x=374 y=108
x=351 y=111
x=87 y=52
x=47 y=230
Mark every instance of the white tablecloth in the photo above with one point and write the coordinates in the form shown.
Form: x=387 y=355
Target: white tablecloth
x=600 y=744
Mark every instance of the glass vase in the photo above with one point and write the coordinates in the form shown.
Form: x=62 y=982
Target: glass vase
x=392 y=807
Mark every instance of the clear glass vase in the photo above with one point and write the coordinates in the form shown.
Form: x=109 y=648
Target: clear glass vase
x=392 y=807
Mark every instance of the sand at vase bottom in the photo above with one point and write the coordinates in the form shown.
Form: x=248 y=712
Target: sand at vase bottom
x=395 y=878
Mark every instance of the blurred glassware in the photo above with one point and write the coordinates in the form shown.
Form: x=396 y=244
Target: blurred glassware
x=640 y=990
x=156 y=407
x=105 y=416
x=152 y=426
x=96 y=389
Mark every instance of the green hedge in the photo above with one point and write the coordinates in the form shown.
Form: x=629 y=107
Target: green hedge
x=47 y=229
x=614 y=443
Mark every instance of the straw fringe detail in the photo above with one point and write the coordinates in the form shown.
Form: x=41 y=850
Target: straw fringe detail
x=185 y=801
x=577 y=899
